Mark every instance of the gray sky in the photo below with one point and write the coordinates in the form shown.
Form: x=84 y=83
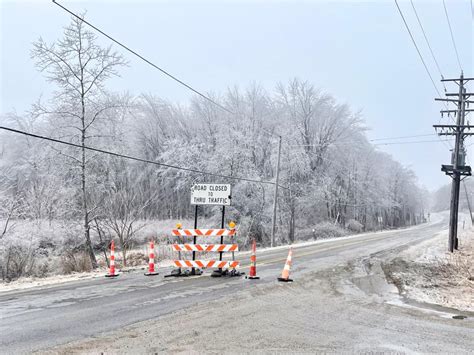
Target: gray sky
x=359 y=52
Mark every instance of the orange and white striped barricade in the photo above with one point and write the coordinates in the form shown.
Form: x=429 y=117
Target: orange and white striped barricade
x=178 y=272
x=204 y=264
x=203 y=232
x=206 y=247
x=112 y=272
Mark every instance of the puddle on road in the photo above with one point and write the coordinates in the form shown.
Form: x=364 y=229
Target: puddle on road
x=369 y=277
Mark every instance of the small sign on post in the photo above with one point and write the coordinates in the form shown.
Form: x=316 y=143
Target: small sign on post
x=210 y=194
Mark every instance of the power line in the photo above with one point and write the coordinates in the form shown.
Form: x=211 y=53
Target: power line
x=383 y=143
x=427 y=41
x=401 y=137
x=144 y=59
x=417 y=49
x=414 y=136
x=135 y=158
x=412 y=142
x=472 y=11
x=452 y=36
x=424 y=64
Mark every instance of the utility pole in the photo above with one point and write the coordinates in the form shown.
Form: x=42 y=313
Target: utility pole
x=457 y=169
x=468 y=202
x=275 y=198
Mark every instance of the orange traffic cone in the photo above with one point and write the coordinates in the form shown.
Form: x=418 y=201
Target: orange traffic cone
x=151 y=261
x=253 y=262
x=285 y=274
x=112 y=261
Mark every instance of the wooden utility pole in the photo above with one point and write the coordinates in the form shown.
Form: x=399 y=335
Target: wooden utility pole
x=275 y=198
x=457 y=169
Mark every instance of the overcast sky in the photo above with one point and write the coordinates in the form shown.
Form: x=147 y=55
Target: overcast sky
x=360 y=52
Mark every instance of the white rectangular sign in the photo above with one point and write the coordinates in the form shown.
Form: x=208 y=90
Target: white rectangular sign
x=210 y=194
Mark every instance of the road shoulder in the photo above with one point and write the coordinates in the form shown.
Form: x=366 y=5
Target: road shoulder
x=427 y=273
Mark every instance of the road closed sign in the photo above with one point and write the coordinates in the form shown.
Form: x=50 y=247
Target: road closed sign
x=210 y=194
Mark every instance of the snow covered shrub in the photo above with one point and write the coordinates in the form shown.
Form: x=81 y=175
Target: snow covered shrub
x=327 y=230
x=354 y=226
x=137 y=259
x=305 y=234
x=75 y=261
x=16 y=259
x=73 y=257
x=42 y=268
x=19 y=250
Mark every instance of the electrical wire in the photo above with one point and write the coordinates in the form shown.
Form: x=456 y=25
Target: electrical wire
x=402 y=137
x=412 y=142
x=472 y=11
x=448 y=145
x=427 y=41
x=135 y=158
x=414 y=136
x=385 y=143
x=417 y=49
x=373 y=140
x=144 y=59
x=452 y=36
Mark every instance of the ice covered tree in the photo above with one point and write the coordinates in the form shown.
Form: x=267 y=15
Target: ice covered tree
x=79 y=67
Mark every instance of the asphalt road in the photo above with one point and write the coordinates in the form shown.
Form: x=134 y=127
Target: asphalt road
x=40 y=318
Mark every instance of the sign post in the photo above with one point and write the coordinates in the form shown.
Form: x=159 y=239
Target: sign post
x=211 y=194
x=193 y=270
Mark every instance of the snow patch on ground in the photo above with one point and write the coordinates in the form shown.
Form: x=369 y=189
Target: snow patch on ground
x=428 y=273
x=29 y=282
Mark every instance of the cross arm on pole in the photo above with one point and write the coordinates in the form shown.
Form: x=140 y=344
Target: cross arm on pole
x=453 y=100
x=456 y=111
x=457 y=94
x=464 y=79
x=453 y=126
